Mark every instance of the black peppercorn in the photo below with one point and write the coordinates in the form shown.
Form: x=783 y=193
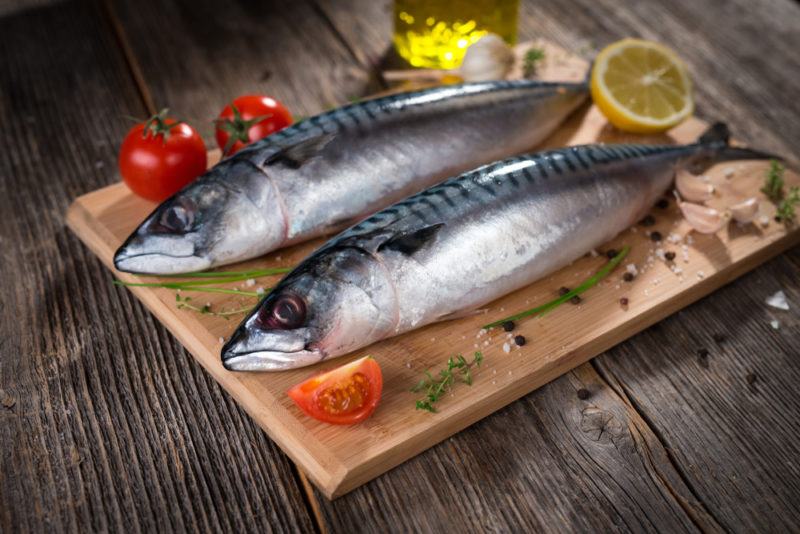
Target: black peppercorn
x=656 y=236
x=519 y=340
x=563 y=291
x=611 y=253
x=669 y=256
x=662 y=204
x=649 y=220
x=623 y=301
x=575 y=300
x=583 y=394
x=628 y=276
x=508 y=326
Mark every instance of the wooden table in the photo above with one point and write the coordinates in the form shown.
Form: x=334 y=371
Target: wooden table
x=106 y=423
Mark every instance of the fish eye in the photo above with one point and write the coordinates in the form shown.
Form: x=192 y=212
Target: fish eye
x=287 y=312
x=179 y=217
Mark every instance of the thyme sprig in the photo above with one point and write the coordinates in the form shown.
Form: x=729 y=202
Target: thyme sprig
x=201 y=282
x=531 y=60
x=205 y=309
x=586 y=285
x=786 y=207
x=773 y=181
x=458 y=369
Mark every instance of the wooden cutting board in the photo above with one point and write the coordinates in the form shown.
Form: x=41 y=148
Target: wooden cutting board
x=338 y=459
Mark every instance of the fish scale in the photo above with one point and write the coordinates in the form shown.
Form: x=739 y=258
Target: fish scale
x=459 y=245
x=326 y=172
x=507 y=173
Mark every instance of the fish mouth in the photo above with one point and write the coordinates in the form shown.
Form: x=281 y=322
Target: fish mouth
x=253 y=349
x=155 y=263
x=269 y=360
x=158 y=255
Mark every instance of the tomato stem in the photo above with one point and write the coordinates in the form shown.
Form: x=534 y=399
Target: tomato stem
x=157 y=126
x=237 y=129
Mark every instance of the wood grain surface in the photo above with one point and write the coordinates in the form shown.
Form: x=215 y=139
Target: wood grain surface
x=338 y=459
x=107 y=424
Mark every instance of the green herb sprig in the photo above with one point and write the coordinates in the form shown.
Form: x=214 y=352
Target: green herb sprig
x=201 y=282
x=773 y=181
x=185 y=303
x=586 y=285
x=458 y=368
x=531 y=60
x=786 y=207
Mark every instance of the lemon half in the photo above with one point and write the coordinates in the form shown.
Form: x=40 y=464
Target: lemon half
x=641 y=86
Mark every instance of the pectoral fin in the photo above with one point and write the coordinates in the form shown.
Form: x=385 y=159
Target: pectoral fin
x=296 y=155
x=409 y=242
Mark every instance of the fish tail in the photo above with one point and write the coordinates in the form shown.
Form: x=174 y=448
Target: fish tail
x=718 y=137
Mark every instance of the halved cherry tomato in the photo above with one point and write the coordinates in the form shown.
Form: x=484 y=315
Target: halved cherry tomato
x=160 y=156
x=247 y=119
x=342 y=396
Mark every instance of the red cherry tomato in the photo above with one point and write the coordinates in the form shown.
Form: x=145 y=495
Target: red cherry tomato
x=160 y=156
x=247 y=119
x=343 y=396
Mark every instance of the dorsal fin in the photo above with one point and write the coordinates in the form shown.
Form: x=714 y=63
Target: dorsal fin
x=296 y=155
x=409 y=242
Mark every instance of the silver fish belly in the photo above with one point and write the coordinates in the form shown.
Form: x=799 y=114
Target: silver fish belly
x=457 y=246
x=327 y=172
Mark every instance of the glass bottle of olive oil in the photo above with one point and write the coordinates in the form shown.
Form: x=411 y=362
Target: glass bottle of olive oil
x=435 y=34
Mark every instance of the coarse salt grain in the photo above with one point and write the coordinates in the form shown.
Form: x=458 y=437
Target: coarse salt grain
x=593 y=253
x=689 y=239
x=631 y=268
x=661 y=254
x=260 y=290
x=728 y=172
x=250 y=282
x=222 y=340
x=700 y=275
x=764 y=221
x=674 y=238
x=775 y=324
x=506 y=347
x=778 y=300
x=408 y=365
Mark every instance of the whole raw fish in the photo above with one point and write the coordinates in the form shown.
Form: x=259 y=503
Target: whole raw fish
x=459 y=245
x=329 y=171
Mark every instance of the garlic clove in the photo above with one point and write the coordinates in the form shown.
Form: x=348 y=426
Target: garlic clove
x=693 y=187
x=745 y=211
x=702 y=218
x=489 y=58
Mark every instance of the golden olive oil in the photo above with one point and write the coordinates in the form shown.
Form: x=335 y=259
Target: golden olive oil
x=435 y=34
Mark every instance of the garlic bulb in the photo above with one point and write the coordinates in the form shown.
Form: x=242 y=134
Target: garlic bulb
x=488 y=58
x=693 y=188
x=745 y=211
x=702 y=218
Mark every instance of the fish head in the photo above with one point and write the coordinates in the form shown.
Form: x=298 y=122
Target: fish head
x=335 y=302
x=231 y=213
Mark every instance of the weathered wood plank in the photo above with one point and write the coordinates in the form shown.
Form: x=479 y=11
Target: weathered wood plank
x=552 y=462
x=105 y=423
x=196 y=56
x=735 y=442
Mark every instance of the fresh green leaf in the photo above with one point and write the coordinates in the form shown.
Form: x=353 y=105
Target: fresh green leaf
x=531 y=61
x=586 y=285
x=773 y=181
x=786 y=207
x=435 y=388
